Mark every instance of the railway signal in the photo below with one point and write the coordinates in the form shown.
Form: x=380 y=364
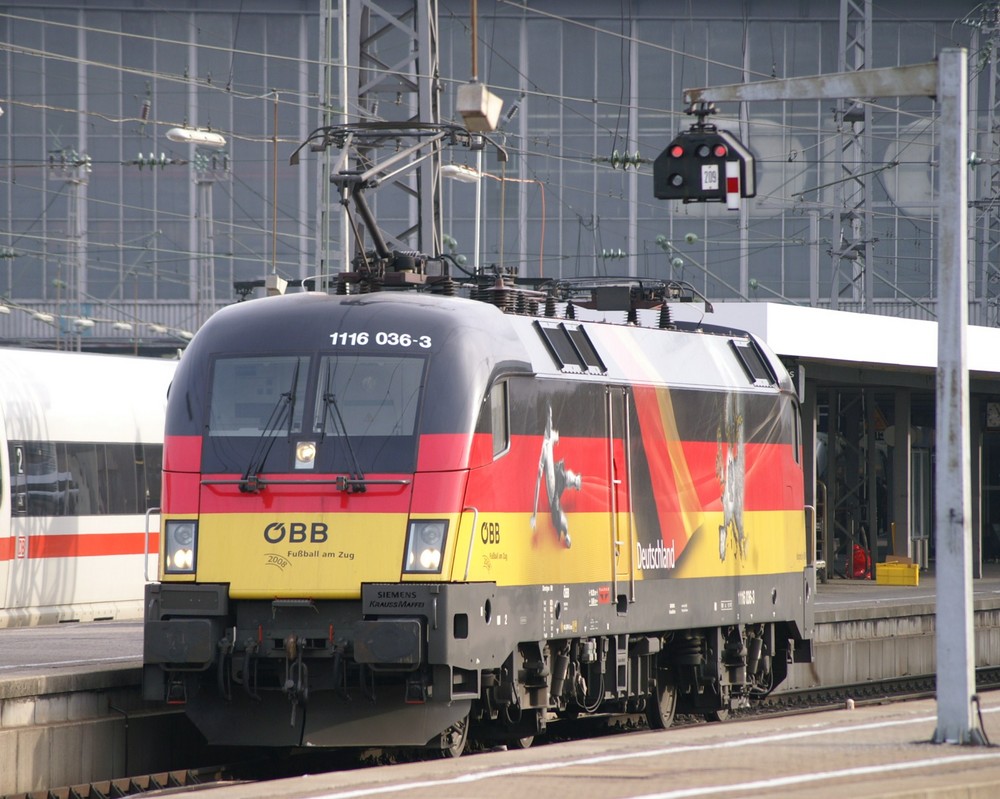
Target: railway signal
x=705 y=164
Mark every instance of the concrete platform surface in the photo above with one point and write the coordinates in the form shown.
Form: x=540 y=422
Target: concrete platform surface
x=839 y=599
x=871 y=751
x=58 y=652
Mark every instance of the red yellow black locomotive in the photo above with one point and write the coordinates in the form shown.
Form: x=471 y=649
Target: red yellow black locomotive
x=397 y=518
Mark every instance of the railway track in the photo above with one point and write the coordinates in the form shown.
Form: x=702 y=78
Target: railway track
x=174 y=781
x=270 y=766
x=875 y=691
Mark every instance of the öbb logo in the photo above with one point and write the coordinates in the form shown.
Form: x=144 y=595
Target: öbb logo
x=296 y=533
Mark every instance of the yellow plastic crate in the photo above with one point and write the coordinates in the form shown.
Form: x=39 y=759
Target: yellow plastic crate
x=897 y=574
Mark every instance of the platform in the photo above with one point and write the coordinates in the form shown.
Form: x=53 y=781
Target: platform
x=870 y=751
x=71 y=708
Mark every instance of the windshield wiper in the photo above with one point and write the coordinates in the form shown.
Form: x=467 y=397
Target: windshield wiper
x=250 y=482
x=355 y=479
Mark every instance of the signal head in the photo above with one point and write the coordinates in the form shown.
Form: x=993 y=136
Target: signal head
x=696 y=167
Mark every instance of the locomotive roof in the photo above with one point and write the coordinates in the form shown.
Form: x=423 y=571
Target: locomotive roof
x=465 y=336
x=485 y=339
x=467 y=345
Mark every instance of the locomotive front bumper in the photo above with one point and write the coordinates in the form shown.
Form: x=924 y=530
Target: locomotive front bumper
x=183 y=624
x=389 y=642
x=395 y=667
x=392 y=625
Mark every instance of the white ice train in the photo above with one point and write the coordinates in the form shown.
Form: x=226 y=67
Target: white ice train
x=81 y=449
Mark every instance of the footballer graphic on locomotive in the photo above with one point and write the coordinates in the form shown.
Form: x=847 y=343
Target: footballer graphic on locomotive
x=730 y=467
x=557 y=479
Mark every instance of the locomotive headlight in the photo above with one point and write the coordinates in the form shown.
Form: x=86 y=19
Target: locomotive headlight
x=181 y=544
x=425 y=540
x=305 y=455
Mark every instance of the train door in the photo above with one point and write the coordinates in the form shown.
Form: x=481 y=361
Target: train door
x=620 y=469
x=15 y=515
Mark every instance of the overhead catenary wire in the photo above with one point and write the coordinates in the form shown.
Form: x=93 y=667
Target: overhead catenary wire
x=529 y=149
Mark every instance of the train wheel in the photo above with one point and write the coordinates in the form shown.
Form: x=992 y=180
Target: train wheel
x=717 y=715
x=521 y=743
x=454 y=739
x=662 y=704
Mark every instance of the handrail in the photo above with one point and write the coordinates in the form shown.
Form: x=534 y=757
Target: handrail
x=343 y=483
x=613 y=495
x=627 y=442
x=811 y=559
x=145 y=547
x=472 y=537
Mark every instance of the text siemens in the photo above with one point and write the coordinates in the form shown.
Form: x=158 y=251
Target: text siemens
x=397 y=594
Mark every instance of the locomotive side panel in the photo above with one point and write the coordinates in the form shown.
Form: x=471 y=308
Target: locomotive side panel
x=723 y=476
x=690 y=453
x=712 y=451
x=710 y=475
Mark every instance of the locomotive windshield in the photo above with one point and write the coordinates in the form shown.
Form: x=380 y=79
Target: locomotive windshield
x=360 y=410
x=248 y=393
x=362 y=395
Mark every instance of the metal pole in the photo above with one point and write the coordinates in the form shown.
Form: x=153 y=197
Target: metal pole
x=474 y=16
x=955 y=643
x=946 y=80
x=478 y=222
x=344 y=86
x=274 y=189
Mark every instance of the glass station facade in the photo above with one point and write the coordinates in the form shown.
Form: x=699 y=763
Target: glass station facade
x=103 y=218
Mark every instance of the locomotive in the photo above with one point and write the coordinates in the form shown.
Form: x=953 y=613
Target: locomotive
x=399 y=518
